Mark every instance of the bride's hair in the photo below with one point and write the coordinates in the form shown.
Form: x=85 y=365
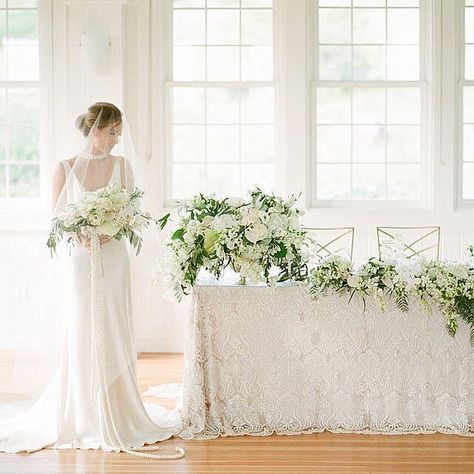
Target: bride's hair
x=106 y=114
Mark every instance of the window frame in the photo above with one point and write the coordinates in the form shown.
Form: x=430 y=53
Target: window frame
x=460 y=83
x=9 y=203
x=425 y=83
x=164 y=12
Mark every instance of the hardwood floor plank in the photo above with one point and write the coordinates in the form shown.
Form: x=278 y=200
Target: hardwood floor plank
x=317 y=453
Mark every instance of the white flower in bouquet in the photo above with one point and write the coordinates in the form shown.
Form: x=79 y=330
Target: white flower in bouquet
x=108 y=211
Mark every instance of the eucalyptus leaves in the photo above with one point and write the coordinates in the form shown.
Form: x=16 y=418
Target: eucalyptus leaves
x=252 y=236
x=448 y=285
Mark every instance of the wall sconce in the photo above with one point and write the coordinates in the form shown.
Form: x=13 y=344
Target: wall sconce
x=96 y=51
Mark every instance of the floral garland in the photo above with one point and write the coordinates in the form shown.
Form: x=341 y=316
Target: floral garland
x=253 y=237
x=448 y=285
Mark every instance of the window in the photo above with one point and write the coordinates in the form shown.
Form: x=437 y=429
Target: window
x=368 y=101
x=19 y=99
x=222 y=98
x=467 y=88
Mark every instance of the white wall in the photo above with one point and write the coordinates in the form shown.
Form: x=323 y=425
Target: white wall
x=134 y=85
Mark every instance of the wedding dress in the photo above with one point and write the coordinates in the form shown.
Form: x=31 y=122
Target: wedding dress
x=93 y=401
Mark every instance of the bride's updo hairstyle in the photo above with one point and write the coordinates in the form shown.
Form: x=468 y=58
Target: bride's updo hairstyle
x=105 y=112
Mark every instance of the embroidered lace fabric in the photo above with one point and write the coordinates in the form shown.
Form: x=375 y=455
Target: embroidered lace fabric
x=264 y=360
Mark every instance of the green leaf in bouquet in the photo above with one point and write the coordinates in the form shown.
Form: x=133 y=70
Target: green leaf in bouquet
x=282 y=251
x=164 y=220
x=178 y=234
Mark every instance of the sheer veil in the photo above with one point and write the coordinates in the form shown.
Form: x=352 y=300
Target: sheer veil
x=104 y=156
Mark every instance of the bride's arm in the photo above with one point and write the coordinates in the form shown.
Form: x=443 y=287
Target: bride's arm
x=59 y=180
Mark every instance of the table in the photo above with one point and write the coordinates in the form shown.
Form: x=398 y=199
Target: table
x=261 y=360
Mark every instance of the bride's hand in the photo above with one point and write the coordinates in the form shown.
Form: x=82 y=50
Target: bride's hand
x=105 y=239
x=86 y=242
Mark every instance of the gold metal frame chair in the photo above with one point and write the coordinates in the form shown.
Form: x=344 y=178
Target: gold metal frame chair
x=412 y=249
x=335 y=237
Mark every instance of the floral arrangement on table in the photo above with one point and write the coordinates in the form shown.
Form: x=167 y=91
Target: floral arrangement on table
x=448 y=285
x=109 y=211
x=254 y=237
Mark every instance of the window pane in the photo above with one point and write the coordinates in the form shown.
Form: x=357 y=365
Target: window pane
x=188 y=143
x=223 y=3
x=333 y=144
x=257 y=63
x=333 y=182
x=189 y=63
x=188 y=27
x=468 y=181
x=189 y=3
x=468 y=143
x=403 y=105
x=469 y=25
x=257 y=175
x=369 y=63
x=335 y=63
x=403 y=143
x=257 y=143
x=368 y=182
x=256 y=3
x=3 y=187
x=403 y=3
x=2 y=145
x=3 y=45
x=223 y=180
x=23 y=106
x=334 y=3
x=257 y=27
x=187 y=180
x=23 y=3
x=223 y=27
x=468 y=105
x=188 y=105
x=369 y=26
x=403 y=182
x=469 y=62
x=368 y=106
x=23 y=142
x=334 y=26
x=22 y=26
x=23 y=63
x=24 y=180
x=223 y=63
x=368 y=143
x=403 y=26
x=257 y=105
x=222 y=105
x=403 y=63
x=222 y=143
x=333 y=105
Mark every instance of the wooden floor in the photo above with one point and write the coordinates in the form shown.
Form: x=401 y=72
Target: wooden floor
x=319 y=453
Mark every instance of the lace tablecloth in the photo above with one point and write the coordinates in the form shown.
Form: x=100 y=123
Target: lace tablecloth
x=262 y=360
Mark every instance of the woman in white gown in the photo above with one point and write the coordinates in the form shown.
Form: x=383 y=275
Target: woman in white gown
x=93 y=402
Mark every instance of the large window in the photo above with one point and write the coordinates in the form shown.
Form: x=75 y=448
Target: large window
x=467 y=87
x=369 y=101
x=222 y=96
x=19 y=99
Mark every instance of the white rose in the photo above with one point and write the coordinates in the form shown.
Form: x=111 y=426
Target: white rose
x=256 y=232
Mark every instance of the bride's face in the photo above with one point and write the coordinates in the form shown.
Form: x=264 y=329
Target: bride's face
x=106 y=138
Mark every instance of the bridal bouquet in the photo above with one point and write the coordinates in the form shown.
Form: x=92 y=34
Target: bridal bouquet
x=109 y=211
x=253 y=237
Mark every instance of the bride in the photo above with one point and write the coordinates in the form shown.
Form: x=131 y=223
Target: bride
x=93 y=402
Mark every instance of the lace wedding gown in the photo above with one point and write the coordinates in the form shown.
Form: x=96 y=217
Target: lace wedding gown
x=93 y=400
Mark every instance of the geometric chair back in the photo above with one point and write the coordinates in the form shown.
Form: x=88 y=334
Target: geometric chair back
x=329 y=241
x=414 y=241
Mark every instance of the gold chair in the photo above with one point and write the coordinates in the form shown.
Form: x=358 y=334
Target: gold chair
x=415 y=241
x=330 y=241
